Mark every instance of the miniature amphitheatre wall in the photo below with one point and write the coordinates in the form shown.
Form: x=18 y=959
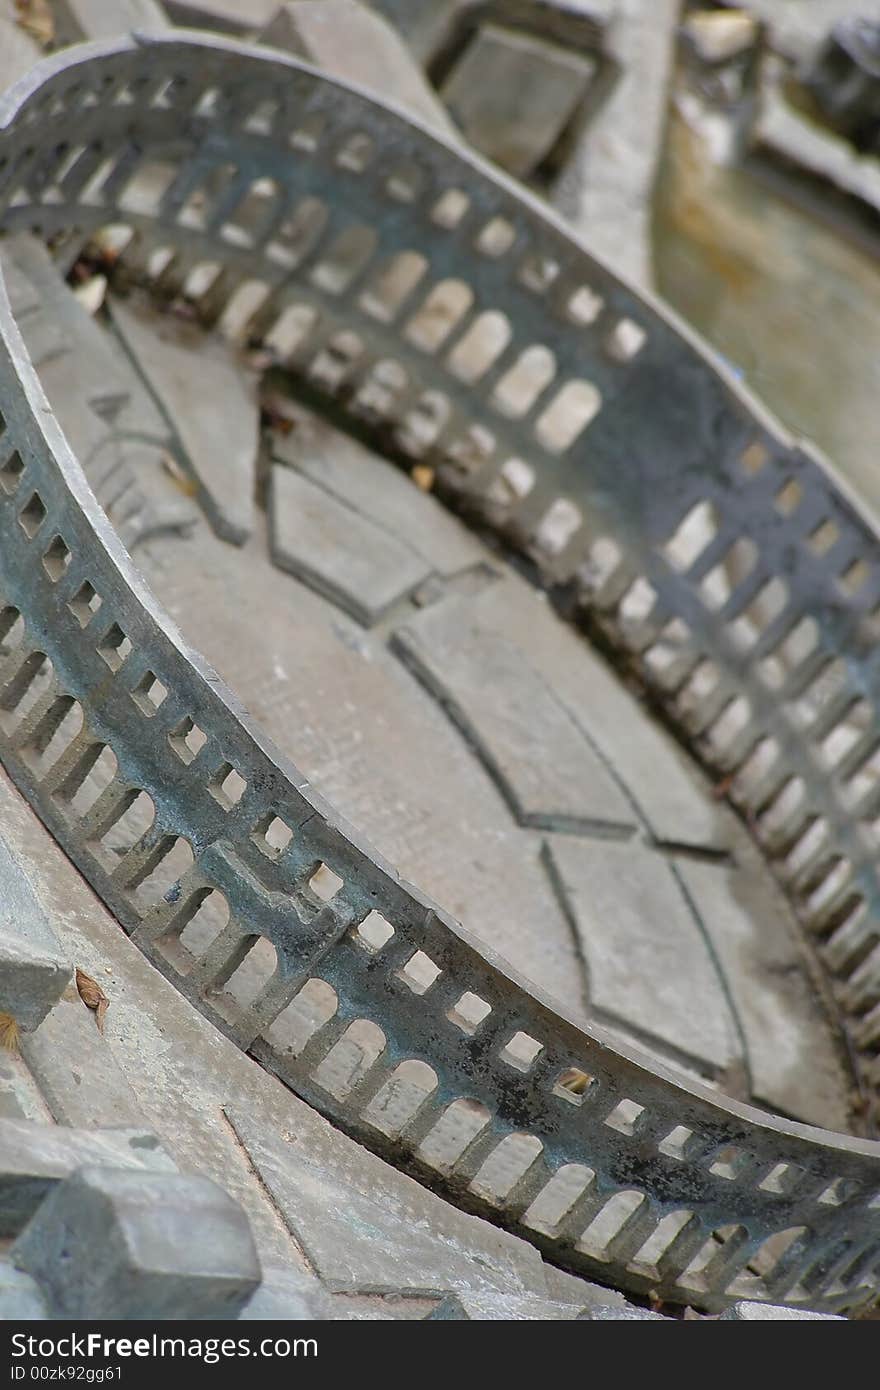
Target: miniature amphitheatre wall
x=439 y=305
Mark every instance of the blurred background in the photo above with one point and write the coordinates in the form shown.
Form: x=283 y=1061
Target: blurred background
x=727 y=156
x=724 y=155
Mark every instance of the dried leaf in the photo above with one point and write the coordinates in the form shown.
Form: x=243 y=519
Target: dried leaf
x=423 y=476
x=92 y=995
x=182 y=480
x=35 y=17
x=8 y=1033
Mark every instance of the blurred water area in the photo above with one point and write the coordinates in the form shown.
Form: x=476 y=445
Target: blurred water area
x=792 y=305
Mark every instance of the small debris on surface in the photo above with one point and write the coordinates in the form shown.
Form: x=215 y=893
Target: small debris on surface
x=277 y=411
x=35 y=17
x=423 y=476
x=92 y=995
x=182 y=308
x=99 y=255
x=722 y=788
x=91 y=293
x=187 y=485
x=8 y=1033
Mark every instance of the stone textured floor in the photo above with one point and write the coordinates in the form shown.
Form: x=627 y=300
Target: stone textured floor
x=498 y=763
x=381 y=1244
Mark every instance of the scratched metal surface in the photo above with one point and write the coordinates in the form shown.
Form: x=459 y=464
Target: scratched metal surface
x=443 y=308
